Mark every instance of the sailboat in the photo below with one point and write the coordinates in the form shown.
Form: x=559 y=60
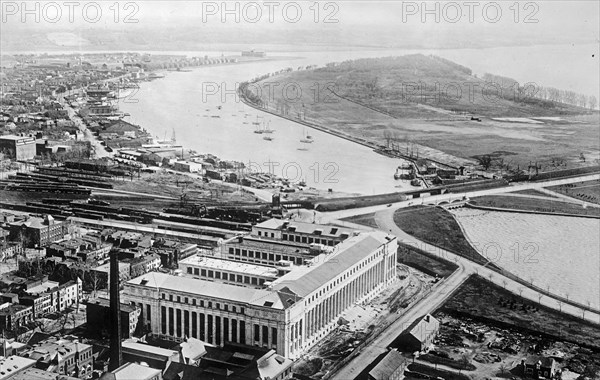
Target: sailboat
x=256 y=122
x=307 y=138
x=268 y=129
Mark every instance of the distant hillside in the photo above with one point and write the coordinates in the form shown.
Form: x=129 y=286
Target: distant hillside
x=398 y=85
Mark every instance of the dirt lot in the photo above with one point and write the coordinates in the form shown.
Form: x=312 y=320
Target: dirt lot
x=584 y=191
x=479 y=299
x=497 y=352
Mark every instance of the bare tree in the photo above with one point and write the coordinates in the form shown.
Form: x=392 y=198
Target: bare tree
x=559 y=303
x=504 y=283
x=464 y=363
x=540 y=296
x=520 y=289
x=485 y=161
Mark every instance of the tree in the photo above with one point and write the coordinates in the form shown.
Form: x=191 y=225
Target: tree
x=503 y=368
x=464 y=363
x=485 y=161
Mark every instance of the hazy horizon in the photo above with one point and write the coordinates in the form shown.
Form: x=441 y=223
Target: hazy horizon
x=195 y=25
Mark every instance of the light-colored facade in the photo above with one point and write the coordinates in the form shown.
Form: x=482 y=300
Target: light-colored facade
x=289 y=315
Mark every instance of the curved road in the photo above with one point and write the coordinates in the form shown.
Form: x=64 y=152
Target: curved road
x=440 y=293
x=384 y=217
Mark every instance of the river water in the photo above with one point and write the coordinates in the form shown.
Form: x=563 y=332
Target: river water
x=181 y=102
x=559 y=253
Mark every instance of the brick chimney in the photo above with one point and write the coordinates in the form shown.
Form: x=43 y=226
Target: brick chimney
x=116 y=356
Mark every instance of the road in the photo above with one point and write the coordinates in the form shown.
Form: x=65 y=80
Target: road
x=448 y=197
x=384 y=217
x=442 y=291
x=98 y=150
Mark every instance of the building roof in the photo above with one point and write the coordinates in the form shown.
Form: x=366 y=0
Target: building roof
x=15 y=138
x=125 y=307
x=230 y=266
x=14 y=364
x=306 y=228
x=43 y=287
x=106 y=267
x=422 y=326
x=146 y=348
x=193 y=286
x=305 y=280
x=388 y=365
x=133 y=371
x=542 y=360
x=192 y=349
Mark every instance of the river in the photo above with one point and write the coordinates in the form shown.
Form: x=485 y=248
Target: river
x=558 y=253
x=176 y=102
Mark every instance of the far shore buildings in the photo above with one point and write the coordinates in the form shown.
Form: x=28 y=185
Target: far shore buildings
x=282 y=287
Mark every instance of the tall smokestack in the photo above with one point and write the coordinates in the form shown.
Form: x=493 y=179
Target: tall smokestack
x=116 y=356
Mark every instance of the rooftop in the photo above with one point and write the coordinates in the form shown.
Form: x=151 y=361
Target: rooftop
x=305 y=228
x=132 y=371
x=43 y=287
x=388 y=365
x=12 y=365
x=230 y=266
x=141 y=347
x=306 y=279
x=193 y=286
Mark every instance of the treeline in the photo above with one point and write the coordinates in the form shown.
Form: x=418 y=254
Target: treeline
x=545 y=94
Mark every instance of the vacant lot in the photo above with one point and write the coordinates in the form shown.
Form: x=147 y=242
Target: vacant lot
x=585 y=191
x=487 y=302
x=534 y=204
x=438 y=227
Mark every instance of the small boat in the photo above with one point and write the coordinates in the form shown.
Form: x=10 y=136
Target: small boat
x=216 y=116
x=307 y=139
x=268 y=138
x=303 y=149
x=268 y=129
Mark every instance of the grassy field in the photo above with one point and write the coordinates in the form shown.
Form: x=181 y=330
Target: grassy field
x=585 y=191
x=482 y=300
x=424 y=261
x=365 y=220
x=373 y=99
x=533 y=192
x=438 y=227
x=533 y=204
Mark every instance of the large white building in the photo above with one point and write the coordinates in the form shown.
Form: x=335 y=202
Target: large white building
x=291 y=311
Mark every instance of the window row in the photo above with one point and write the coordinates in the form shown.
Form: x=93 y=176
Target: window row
x=201 y=303
x=271 y=257
x=226 y=276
